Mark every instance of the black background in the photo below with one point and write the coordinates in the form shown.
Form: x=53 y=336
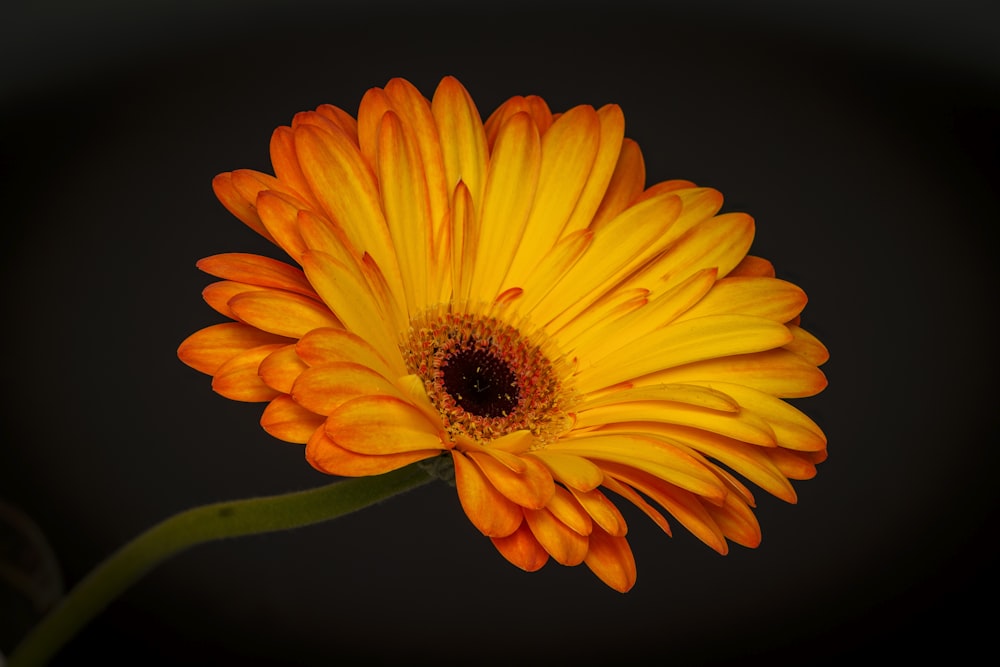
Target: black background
x=863 y=139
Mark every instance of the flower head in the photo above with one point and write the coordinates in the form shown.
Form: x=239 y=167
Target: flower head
x=510 y=295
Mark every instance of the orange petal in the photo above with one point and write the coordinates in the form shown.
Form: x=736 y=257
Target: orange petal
x=239 y=205
x=611 y=559
x=282 y=313
x=604 y=512
x=567 y=509
x=208 y=349
x=382 y=425
x=237 y=379
x=753 y=266
x=217 y=295
x=321 y=347
x=324 y=389
x=256 y=270
x=487 y=509
x=522 y=549
x=566 y=546
x=327 y=456
x=281 y=368
x=287 y=420
x=286 y=163
x=279 y=214
x=532 y=488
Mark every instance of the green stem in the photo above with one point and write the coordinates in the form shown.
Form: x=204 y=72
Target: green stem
x=195 y=526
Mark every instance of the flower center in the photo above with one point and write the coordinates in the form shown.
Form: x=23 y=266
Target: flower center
x=481 y=383
x=485 y=377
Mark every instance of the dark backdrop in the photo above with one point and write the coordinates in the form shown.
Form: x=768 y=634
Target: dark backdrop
x=864 y=140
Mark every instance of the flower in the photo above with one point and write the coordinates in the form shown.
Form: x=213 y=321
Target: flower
x=510 y=295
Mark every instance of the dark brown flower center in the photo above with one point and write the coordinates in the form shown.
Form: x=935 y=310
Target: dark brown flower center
x=485 y=377
x=481 y=383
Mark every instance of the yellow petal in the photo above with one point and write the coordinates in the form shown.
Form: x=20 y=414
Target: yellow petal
x=522 y=549
x=208 y=349
x=488 y=510
x=568 y=151
x=287 y=420
x=627 y=182
x=463 y=140
x=237 y=379
x=510 y=190
x=683 y=505
x=382 y=425
x=792 y=429
x=327 y=456
x=596 y=333
x=761 y=297
x=571 y=470
x=415 y=112
x=346 y=187
x=282 y=313
x=324 y=389
x=347 y=293
x=742 y=425
x=464 y=242
x=736 y=521
x=719 y=242
x=617 y=249
x=610 y=558
x=716 y=336
x=654 y=456
x=407 y=208
x=701 y=396
x=777 y=372
x=807 y=346
x=627 y=492
x=612 y=134
x=751 y=461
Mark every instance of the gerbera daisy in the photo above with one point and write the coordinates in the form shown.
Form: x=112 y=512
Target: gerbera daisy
x=510 y=298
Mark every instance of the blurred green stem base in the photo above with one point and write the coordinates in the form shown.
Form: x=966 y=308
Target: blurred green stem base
x=202 y=524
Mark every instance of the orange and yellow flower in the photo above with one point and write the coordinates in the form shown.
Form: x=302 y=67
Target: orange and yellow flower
x=511 y=296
